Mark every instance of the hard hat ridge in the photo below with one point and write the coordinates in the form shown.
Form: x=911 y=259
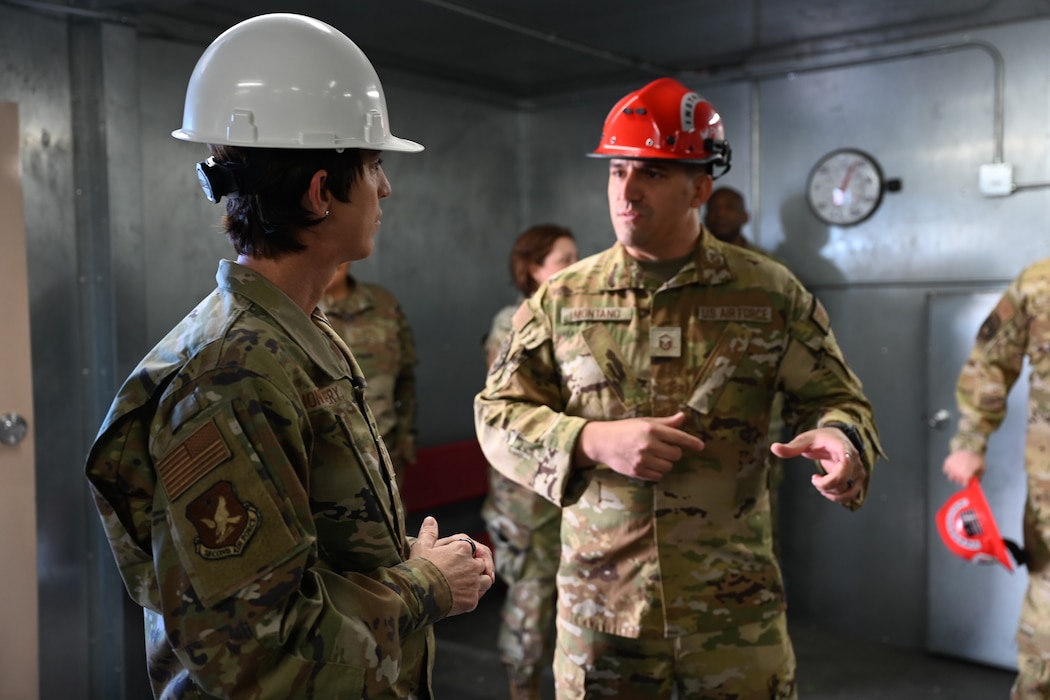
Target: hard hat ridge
x=665 y=120
x=287 y=81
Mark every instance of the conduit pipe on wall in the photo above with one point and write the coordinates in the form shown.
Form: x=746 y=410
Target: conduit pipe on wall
x=71 y=11
x=757 y=72
x=744 y=73
x=552 y=38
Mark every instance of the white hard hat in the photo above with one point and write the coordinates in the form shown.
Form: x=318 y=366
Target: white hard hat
x=287 y=81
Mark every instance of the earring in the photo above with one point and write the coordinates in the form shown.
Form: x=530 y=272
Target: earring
x=326 y=213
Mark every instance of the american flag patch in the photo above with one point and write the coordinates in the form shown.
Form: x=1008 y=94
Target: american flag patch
x=197 y=455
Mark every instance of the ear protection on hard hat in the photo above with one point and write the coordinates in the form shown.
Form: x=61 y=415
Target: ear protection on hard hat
x=968 y=529
x=665 y=120
x=220 y=179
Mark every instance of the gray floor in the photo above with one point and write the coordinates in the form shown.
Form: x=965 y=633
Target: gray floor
x=830 y=667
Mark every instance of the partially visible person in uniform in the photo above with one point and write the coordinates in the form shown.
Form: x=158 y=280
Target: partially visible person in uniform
x=635 y=392
x=538 y=253
x=725 y=215
x=370 y=321
x=1018 y=327
x=241 y=479
x=526 y=528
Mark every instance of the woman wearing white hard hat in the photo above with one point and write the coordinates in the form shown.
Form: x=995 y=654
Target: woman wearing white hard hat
x=248 y=497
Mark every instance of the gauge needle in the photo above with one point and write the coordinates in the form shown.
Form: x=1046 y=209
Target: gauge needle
x=849 y=174
x=840 y=196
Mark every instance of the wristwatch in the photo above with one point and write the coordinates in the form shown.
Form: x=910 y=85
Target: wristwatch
x=854 y=437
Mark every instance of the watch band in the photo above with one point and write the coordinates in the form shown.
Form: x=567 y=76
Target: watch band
x=852 y=434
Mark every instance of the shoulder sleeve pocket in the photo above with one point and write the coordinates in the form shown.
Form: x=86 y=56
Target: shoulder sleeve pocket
x=227 y=526
x=529 y=330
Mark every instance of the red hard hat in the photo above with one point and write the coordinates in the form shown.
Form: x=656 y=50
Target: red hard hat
x=969 y=530
x=665 y=120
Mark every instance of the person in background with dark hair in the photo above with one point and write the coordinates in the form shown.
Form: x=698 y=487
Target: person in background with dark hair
x=241 y=479
x=725 y=215
x=526 y=528
x=370 y=320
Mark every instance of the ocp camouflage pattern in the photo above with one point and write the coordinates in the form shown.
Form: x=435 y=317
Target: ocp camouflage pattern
x=691 y=553
x=502 y=323
x=1017 y=328
x=371 y=322
x=252 y=511
x=525 y=530
x=746 y=662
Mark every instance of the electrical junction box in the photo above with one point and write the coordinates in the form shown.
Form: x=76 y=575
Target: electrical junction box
x=996 y=179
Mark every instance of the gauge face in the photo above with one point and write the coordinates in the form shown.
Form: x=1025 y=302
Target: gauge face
x=845 y=187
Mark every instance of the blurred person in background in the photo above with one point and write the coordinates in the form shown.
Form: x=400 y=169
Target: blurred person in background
x=370 y=321
x=526 y=528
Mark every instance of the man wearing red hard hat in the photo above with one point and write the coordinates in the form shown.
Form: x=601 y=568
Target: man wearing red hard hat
x=635 y=392
x=1018 y=327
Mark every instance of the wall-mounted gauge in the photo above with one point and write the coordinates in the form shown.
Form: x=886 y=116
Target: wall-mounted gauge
x=845 y=187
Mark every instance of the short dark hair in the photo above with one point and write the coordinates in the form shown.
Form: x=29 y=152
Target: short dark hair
x=262 y=222
x=694 y=169
x=533 y=245
x=735 y=195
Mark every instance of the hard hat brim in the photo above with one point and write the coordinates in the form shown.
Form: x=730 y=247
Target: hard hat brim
x=390 y=143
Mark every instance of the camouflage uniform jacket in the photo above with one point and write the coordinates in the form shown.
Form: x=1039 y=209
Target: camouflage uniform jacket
x=501 y=327
x=692 y=552
x=1019 y=326
x=250 y=506
x=372 y=323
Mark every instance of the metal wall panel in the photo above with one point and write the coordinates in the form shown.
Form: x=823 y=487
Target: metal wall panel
x=35 y=75
x=439 y=249
x=838 y=563
x=929 y=121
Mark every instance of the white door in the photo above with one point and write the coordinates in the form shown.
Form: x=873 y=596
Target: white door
x=972 y=609
x=19 y=666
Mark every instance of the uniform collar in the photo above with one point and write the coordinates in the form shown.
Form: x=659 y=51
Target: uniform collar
x=269 y=298
x=619 y=271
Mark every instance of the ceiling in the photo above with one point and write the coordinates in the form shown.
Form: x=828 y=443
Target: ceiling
x=521 y=50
